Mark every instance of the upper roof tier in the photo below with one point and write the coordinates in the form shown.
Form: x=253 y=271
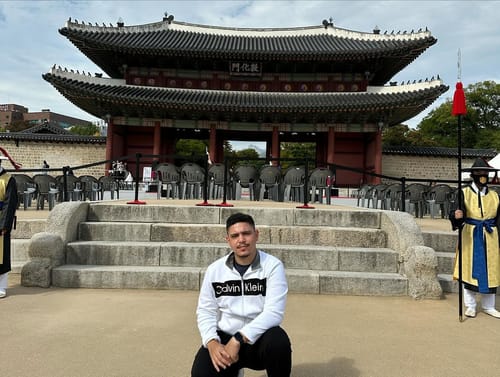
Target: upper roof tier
x=100 y=96
x=163 y=44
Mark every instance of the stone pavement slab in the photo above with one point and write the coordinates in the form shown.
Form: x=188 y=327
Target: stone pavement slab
x=59 y=332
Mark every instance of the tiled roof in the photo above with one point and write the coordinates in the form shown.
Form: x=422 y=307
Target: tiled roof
x=53 y=138
x=439 y=151
x=383 y=55
x=46 y=128
x=100 y=96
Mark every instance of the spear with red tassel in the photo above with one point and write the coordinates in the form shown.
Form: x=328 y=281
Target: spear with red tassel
x=458 y=110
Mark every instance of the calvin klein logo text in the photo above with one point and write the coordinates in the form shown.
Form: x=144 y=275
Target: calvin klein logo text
x=250 y=287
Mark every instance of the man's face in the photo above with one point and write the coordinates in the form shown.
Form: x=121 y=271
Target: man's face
x=480 y=177
x=242 y=238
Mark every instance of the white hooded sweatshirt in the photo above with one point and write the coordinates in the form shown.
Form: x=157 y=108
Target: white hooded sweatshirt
x=250 y=304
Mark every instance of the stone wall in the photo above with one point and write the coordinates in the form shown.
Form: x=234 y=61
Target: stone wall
x=426 y=167
x=57 y=154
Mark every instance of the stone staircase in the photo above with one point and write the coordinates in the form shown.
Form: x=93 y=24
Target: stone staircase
x=168 y=247
x=444 y=243
x=20 y=239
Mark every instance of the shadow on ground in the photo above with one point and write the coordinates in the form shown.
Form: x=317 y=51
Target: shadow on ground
x=336 y=367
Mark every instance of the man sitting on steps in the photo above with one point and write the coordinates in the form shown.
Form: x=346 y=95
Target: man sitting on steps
x=240 y=308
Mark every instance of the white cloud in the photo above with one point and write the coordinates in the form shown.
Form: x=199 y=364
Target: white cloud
x=32 y=44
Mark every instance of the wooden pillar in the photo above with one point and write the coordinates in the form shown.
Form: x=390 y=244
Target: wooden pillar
x=157 y=139
x=275 y=145
x=213 y=153
x=109 y=145
x=330 y=156
x=378 y=155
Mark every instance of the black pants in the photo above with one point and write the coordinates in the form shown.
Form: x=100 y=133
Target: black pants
x=271 y=352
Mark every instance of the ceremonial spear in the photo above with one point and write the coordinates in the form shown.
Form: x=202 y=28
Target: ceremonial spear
x=459 y=109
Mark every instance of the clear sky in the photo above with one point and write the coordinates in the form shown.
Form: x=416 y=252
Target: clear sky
x=31 y=43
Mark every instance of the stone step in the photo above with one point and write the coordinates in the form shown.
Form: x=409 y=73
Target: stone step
x=181 y=214
x=447 y=283
x=19 y=254
x=26 y=228
x=200 y=233
x=189 y=278
x=441 y=241
x=451 y=286
x=445 y=262
x=182 y=254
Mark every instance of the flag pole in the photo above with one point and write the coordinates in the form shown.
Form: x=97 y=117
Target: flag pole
x=458 y=110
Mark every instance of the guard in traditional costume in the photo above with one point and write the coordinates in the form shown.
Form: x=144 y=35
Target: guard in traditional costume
x=8 y=206
x=479 y=218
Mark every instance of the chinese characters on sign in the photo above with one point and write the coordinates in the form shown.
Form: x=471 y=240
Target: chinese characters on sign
x=245 y=69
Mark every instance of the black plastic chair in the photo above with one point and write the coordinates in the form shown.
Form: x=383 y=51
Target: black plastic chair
x=438 y=196
x=378 y=196
x=108 y=183
x=73 y=187
x=270 y=182
x=26 y=189
x=47 y=189
x=393 y=197
x=293 y=184
x=364 y=194
x=169 y=179
x=320 y=181
x=192 y=180
x=216 y=182
x=91 y=187
x=246 y=176
x=415 y=198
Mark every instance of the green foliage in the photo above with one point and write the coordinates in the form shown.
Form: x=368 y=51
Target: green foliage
x=18 y=125
x=191 y=147
x=85 y=130
x=301 y=151
x=480 y=126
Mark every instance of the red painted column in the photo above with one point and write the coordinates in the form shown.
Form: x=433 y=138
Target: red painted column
x=212 y=145
x=109 y=145
x=157 y=139
x=330 y=157
x=378 y=155
x=275 y=145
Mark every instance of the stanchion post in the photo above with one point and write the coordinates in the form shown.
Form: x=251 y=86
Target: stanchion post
x=136 y=200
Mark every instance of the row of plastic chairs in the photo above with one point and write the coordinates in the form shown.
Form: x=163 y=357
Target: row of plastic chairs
x=187 y=181
x=420 y=199
x=46 y=188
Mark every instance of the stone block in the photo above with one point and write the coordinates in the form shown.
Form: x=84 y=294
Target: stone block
x=421 y=270
x=37 y=273
x=362 y=283
x=113 y=253
x=114 y=231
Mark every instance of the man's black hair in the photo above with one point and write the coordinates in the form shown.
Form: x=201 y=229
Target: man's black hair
x=239 y=218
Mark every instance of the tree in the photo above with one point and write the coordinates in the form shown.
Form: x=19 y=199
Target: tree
x=396 y=135
x=480 y=126
x=299 y=151
x=18 y=125
x=85 y=129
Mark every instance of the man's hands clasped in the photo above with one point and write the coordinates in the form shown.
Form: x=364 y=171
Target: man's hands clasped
x=223 y=356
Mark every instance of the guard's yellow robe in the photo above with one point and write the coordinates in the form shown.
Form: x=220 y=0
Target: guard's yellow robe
x=490 y=204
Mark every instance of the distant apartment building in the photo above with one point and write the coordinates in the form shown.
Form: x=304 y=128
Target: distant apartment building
x=11 y=113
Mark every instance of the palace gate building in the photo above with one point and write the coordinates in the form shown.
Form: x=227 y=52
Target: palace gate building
x=173 y=80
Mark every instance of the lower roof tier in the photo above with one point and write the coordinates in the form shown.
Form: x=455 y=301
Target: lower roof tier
x=390 y=105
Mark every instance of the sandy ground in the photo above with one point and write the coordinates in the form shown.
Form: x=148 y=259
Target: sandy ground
x=137 y=333
x=59 y=332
